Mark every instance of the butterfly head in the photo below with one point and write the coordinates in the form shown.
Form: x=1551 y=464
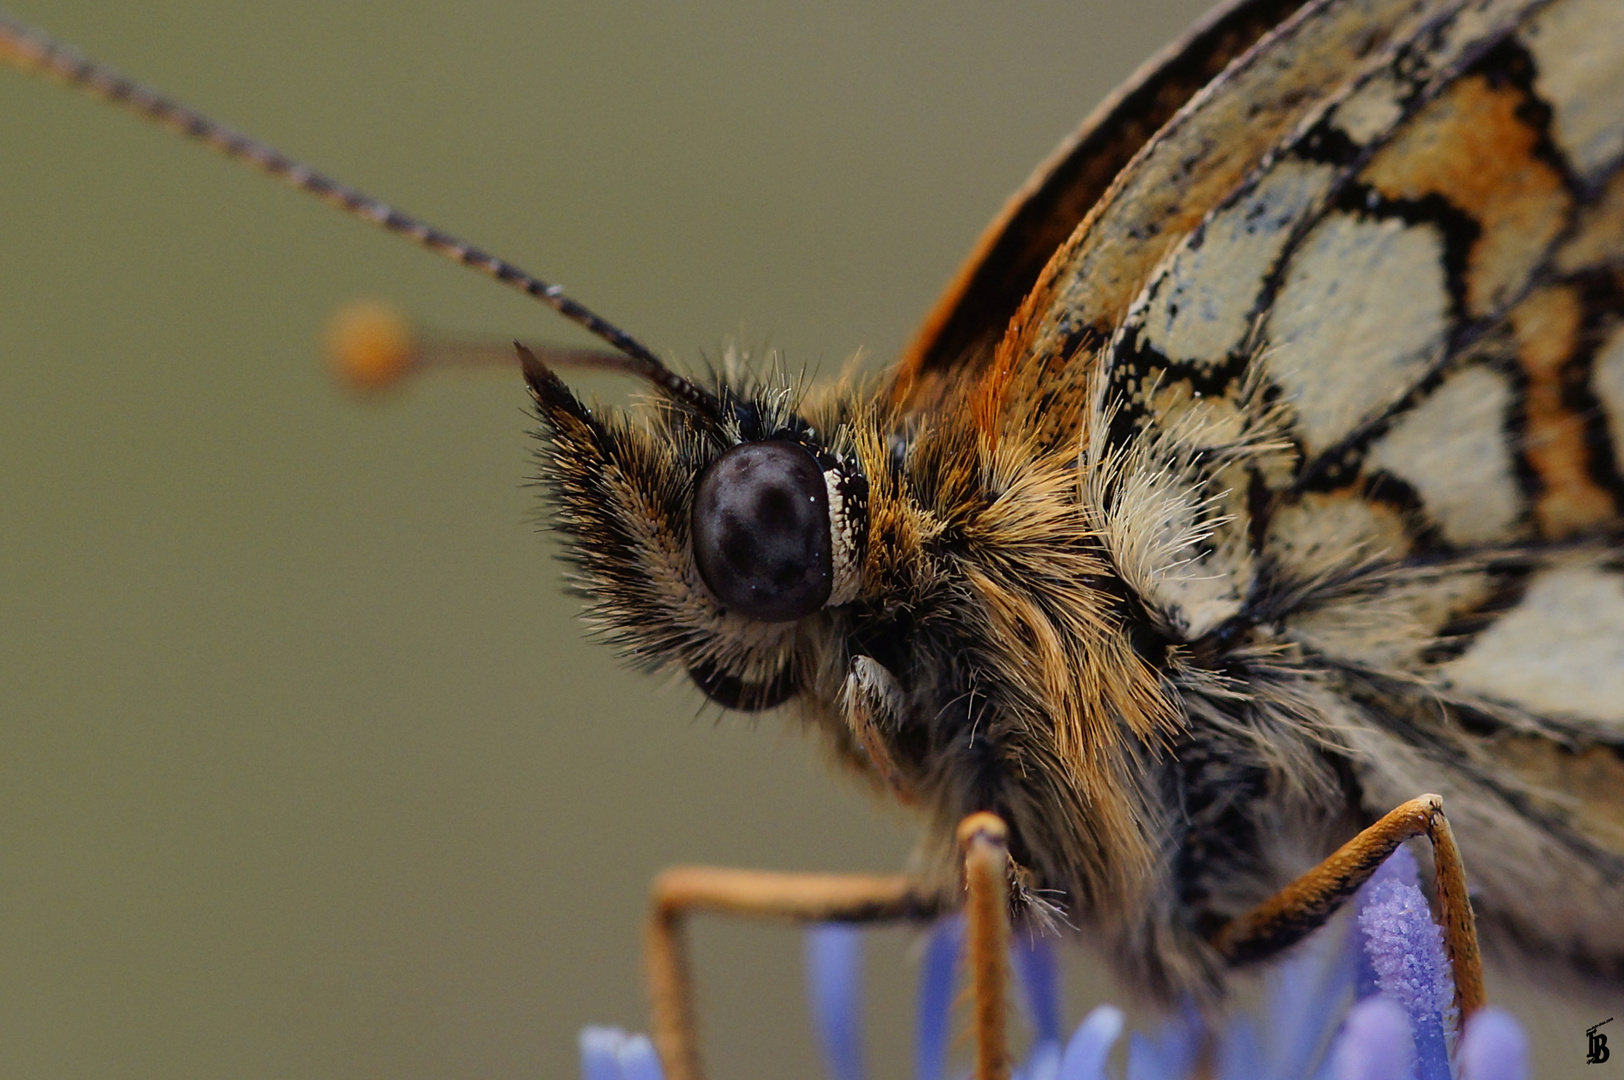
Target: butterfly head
x=710 y=530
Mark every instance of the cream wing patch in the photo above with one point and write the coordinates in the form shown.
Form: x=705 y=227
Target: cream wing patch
x=1201 y=307
x=1452 y=448
x=1607 y=382
x=1558 y=653
x=1359 y=320
x=1578 y=47
x=1321 y=538
x=1474 y=147
x=1391 y=628
x=1320 y=535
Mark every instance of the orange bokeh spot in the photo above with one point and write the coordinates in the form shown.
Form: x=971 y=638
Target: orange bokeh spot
x=370 y=344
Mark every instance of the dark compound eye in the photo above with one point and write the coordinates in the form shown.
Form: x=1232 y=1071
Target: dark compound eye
x=761 y=531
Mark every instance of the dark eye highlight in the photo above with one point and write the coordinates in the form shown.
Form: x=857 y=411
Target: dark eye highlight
x=761 y=531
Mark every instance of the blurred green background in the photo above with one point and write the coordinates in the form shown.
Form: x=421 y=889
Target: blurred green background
x=305 y=767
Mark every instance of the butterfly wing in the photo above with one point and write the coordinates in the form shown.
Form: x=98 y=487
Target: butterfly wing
x=1361 y=423
x=967 y=321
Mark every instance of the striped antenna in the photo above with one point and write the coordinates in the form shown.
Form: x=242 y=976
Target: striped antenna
x=34 y=51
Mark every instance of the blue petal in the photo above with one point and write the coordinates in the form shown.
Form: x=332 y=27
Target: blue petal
x=1042 y=1062
x=1039 y=974
x=1168 y=1055
x=1375 y=1043
x=834 y=977
x=936 y=992
x=1091 y=1044
x=638 y=1060
x=600 y=1052
x=1307 y=996
x=1494 y=1047
x=1240 y=1052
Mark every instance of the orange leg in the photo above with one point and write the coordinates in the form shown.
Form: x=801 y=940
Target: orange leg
x=1305 y=904
x=683 y=890
x=756 y=894
x=983 y=839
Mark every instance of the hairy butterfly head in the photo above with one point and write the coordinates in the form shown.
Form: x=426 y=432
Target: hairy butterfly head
x=710 y=538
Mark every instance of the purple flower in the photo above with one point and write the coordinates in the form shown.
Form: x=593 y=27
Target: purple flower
x=1494 y=1047
x=1375 y=1043
x=1090 y=1044
x=933 y=1031
x=610 y=1054
x=1406 y=953
x=834 y=985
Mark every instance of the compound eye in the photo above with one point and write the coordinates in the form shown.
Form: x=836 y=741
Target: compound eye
x=761 y=531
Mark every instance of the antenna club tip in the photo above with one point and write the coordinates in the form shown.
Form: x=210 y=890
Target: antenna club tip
x=371 y=345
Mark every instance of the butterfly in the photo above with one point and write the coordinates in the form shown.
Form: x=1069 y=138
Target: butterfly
x=1256 y=478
